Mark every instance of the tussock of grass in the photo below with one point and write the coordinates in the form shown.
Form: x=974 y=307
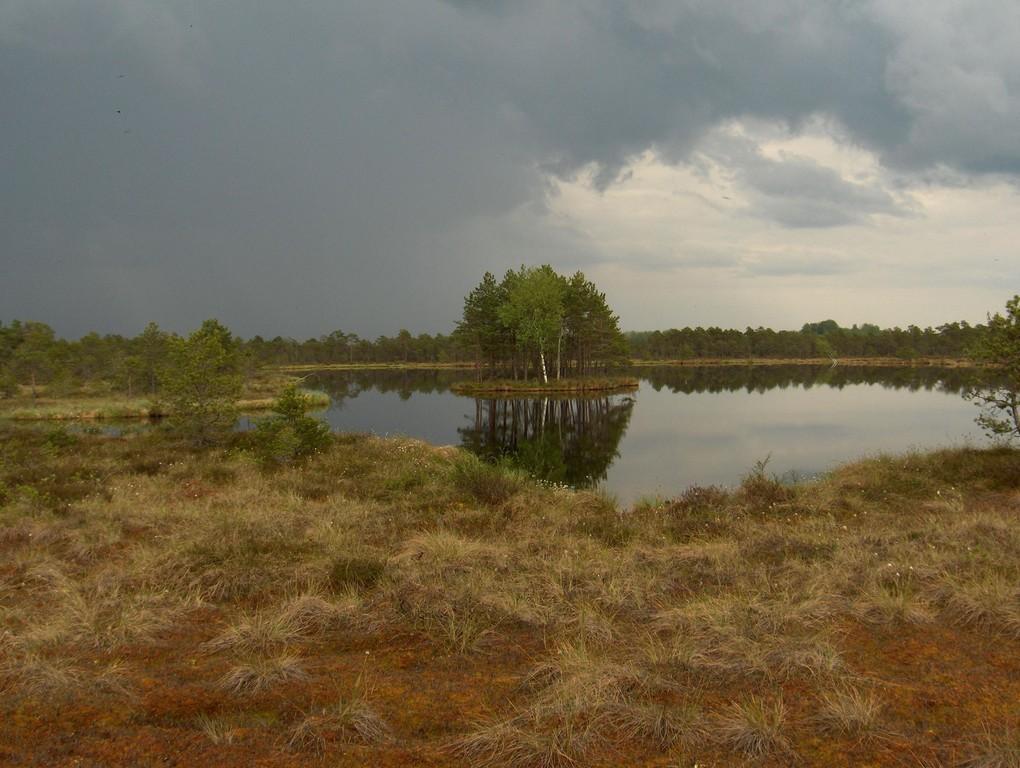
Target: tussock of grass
x=763 y=492
x=257 y=633
x=527 y=742
x=754 y=727
x=994 y=749
x=347 y=719
x=662 y=725
x=107 y=618
x=217 y=729
x=848 y=710
x=992 y=601
x=310 y=613
x=54 y=680
x=891 y=603
x=36 y=676
x=258 y=674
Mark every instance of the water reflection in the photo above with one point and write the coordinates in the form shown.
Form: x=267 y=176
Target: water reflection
x=762 y=378
x=684 y=425
x=563 y=440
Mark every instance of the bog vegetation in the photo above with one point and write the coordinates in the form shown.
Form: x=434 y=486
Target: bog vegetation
x=381 y=601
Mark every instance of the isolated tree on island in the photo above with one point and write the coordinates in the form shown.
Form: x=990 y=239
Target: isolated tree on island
x=1000 y=400
x=534 y=309
x=534 y=314
x=202 y=382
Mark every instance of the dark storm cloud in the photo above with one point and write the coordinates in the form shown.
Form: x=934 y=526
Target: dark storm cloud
x=297 y=168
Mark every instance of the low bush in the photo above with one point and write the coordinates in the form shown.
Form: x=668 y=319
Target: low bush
x=289 y=434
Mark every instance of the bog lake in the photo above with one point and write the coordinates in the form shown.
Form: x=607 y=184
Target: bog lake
x=683 y=426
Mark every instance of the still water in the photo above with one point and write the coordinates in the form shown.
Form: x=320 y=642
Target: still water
x=683 y=426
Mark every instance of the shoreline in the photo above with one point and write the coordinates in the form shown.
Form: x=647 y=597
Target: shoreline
x=501 y=387
x=697 y=362
x=129 y=409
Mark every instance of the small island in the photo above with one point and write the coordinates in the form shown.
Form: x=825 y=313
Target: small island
x=539 y=332
x=574 y=386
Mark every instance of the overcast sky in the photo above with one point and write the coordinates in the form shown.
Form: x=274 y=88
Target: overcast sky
x=294 y=168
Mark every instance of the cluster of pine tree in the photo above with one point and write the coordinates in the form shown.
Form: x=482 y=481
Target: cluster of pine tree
x=538 y=320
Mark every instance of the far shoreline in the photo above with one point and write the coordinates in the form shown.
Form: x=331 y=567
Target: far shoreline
x=691 y=362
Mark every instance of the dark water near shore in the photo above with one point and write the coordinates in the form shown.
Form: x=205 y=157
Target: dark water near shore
x=683 y=426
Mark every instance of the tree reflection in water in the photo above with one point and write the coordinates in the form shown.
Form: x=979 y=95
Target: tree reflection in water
x=562 y=440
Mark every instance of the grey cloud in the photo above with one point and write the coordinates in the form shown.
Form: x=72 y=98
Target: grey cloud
x=796 y=263
x=299 y=168
x=797 y=191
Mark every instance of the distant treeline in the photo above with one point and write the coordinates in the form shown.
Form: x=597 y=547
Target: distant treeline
x=824 y=339
x=32 y=355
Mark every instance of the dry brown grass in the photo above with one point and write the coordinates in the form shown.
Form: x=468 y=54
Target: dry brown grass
x=260 y=632
x=849 y=710
x=994 y=749
x=754 y=727
x=527 y=741
x=348 y=718
x=556 y=628
x=259 y=673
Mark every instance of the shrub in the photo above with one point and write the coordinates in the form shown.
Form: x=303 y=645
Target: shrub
x=201 y=383
x=290 y=434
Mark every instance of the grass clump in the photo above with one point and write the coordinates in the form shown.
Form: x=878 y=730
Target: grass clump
x=491 y=484
x=527 y=741
x=218 y=730
x=659 y=724
x=849 y=711
x=257 y=633
x=888 y=602
x=995 y=750
x=347 y=719
x=754 y=727
x=259 y=673
x=991 y=601
x=598 y=517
